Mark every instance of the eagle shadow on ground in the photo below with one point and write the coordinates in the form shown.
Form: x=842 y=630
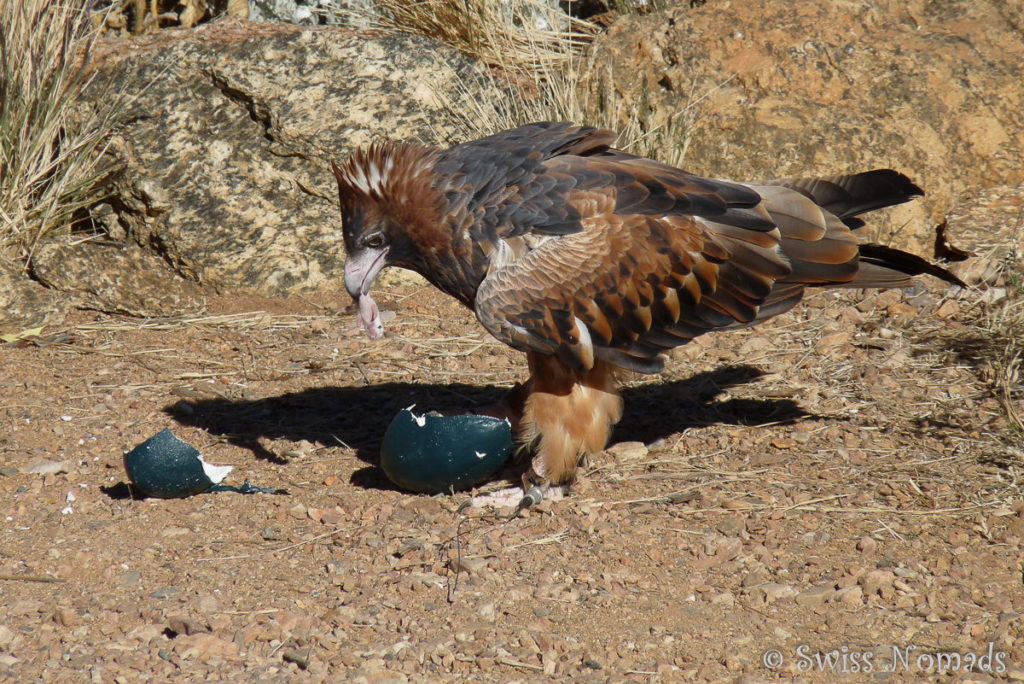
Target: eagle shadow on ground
x=357 y=417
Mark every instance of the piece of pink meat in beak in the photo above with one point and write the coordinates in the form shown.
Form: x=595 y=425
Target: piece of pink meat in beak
x=369 y=317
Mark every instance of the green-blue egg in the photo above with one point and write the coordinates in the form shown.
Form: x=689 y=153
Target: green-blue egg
x=431 y=453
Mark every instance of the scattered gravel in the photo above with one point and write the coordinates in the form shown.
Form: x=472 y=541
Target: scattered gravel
x=837 y=478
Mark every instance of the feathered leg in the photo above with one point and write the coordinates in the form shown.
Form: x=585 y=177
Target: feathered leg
x=568 y=416
x=564 y=417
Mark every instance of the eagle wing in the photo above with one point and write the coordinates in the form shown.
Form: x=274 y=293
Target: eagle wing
x=500 y=186
x=660 y=257
x=593 y=253
x=519 y=181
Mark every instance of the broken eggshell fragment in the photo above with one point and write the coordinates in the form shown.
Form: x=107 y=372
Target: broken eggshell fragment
x=168 y=468
x=430 y=453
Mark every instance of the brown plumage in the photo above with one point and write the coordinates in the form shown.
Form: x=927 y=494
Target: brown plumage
x=590 y=259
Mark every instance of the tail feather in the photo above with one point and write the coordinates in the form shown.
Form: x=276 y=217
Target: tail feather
x=832 y=257
x=898 y=262
x=852 y=195
x=814 y=218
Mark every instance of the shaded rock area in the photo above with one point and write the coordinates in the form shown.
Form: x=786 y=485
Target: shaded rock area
x=25 y=303
x=770 y=89
x=117 y=279
x=226 y=135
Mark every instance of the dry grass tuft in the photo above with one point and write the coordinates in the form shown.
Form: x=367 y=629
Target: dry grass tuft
x=1006 y=328
x=993 y=346
x=522 y=36
x=140 y=16
x=537 y=56
x=1000 y=331
x=49 y=157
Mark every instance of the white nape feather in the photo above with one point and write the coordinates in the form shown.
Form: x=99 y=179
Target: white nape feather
x=375 y=178
x=369 y=177
x=357 y=177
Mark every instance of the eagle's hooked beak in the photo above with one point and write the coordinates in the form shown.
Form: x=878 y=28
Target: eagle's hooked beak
x=361 y=269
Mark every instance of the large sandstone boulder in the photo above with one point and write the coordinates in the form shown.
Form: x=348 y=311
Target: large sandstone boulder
x=226 y=134
x=767 y=89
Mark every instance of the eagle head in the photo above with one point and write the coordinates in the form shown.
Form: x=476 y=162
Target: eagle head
x=392 y=215
x=373 y=231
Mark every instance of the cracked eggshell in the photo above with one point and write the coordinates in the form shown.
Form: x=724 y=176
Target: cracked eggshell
x=168 y=468
x=430 y=454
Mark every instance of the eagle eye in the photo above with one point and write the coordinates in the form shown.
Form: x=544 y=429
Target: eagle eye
x=375 y=241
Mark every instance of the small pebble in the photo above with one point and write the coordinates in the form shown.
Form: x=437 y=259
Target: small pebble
x=877 y=582
x=754 y=578
x=300 y=658
x=723 y=599
x=730 y=526
x=773 y=591
x=628 y=451
x=209 y=604
x=815 y=596
x=866 y=545
x=487 y=612
x=184 y=625
x=850 y=596
x=131 y=577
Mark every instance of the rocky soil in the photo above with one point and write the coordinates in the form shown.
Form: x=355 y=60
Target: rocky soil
x=841 y=479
